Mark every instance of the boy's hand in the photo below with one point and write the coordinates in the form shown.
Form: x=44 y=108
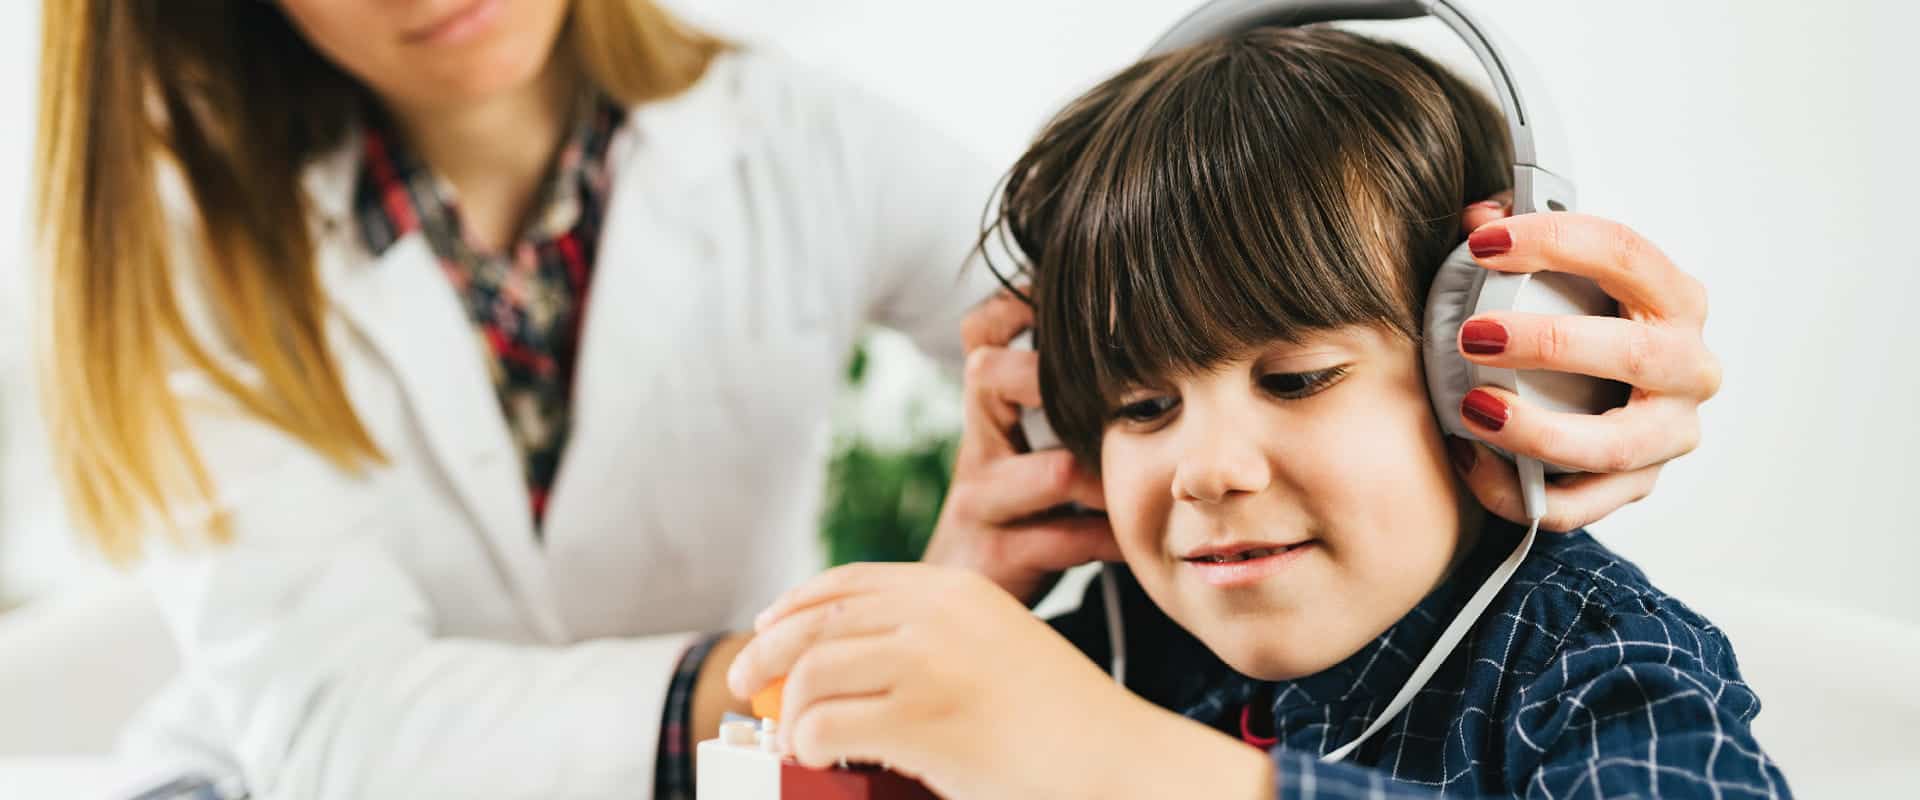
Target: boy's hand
x=991 y=521
x=940 y=675
x=1656 y=345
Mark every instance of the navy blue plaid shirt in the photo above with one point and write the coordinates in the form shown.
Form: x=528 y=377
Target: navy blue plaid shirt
x=1581 y=680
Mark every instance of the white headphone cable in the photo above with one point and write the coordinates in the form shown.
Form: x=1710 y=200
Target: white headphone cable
x=1533 y=489
x=1116 y=630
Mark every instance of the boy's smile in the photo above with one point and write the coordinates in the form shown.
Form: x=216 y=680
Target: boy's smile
x=1243 y=563
x=1289 y=504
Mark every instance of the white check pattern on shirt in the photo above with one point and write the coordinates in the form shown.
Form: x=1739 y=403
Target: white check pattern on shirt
x=1581 y=681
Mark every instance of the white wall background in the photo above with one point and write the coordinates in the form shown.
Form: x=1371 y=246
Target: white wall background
x=1767 y=145
x=34 y=554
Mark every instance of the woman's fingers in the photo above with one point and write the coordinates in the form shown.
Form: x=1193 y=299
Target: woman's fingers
x=999 y=382
x=995 y=321
x=994 y=518
x=996 y=485
x=777 y=647
x=1497 y=207
x=1657 y=349
x=1018 y=486
x=1648 y=430
x=1653 y=358
x=1004 y=377
x=1004 y=484
x=1061 y=543
x=1492 y=479
x=1625 y=265
x=1573 y=501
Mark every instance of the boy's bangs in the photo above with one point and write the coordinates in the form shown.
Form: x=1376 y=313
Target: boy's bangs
x=1225 y=225
x=1239 y=192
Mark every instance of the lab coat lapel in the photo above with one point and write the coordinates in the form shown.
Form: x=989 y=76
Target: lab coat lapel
x=646 y=387
x=642 y=275
x=644 y=283
x=403 y=305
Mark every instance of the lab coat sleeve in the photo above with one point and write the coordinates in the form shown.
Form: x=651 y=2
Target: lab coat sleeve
x=920 y=194
x=319 y=660
x=313 y=652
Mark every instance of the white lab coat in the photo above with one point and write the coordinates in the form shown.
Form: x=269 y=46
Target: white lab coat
x=404 y=633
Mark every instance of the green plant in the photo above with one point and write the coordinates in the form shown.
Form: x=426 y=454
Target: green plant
x=883 y=499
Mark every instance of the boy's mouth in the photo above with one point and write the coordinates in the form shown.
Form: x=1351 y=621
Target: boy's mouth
x=1244 y=563
x=1238 y=551
x=1243 y=555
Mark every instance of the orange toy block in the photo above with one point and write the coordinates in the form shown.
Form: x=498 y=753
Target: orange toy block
x=766 y=702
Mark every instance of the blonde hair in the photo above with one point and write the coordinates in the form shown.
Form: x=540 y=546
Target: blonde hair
x=126 y=84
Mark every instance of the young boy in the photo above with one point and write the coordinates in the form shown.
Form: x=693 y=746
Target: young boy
x=1229 y=247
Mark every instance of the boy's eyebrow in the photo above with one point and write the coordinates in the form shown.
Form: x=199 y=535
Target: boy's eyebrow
x=1307 y=353
x=1344 y=340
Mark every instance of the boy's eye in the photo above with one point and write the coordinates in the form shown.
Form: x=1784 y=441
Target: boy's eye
x=1148 y=409
x=1296 y=385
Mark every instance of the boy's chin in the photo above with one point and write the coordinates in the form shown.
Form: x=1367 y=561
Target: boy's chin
x=1272 y=666
x=1280 y=658
x=1280 y=643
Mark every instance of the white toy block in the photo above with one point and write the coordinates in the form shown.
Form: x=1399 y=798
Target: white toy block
x=729 y=771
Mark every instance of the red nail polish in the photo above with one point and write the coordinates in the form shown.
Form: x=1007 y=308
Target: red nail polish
x=1485 y=410
x=1483 y=337
x=1489 y=241
x=1462 y=453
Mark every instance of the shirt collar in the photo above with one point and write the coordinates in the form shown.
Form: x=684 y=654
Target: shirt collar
x=396 y=193
x=672 y=141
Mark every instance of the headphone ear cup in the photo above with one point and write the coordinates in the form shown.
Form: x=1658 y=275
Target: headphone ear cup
x=1450 y=300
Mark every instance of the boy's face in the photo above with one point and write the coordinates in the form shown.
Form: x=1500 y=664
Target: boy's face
x=1291 y=505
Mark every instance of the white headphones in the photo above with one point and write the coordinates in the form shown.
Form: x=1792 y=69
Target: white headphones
x=1461 y=287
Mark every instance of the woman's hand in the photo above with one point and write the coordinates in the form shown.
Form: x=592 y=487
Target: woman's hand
x=940 y=675
x=995 y=519
x=1656 y=346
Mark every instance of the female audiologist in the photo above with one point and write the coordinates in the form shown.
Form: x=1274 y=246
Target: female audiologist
x=451 y=367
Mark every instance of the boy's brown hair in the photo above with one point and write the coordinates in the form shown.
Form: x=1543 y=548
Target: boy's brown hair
x=1238 y=191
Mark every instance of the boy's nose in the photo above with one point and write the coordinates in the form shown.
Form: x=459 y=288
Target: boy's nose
x=1223 y=467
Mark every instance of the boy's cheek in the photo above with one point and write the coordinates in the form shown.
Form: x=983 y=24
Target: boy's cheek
x=1138 y=502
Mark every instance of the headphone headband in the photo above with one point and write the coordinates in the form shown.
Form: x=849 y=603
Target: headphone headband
x=1541 y=180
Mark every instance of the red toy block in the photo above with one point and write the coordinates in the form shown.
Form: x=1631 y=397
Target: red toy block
x=848 y=783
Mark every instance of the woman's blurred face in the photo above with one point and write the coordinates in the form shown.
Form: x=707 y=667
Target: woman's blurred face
x=433 y=53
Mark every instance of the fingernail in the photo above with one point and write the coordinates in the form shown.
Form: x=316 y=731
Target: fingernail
x=1493 y=204
x=1485 y=410
x=1483 y=337
x=1491 y=240
x=1461 y=452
